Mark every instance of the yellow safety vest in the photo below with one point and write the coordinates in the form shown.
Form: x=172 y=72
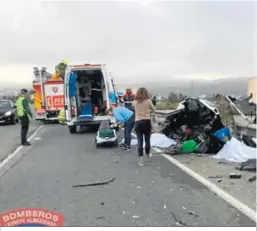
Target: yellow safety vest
x=20 y=109
x=61 y=116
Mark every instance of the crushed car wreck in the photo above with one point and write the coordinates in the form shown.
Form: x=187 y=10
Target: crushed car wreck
x=198 y=120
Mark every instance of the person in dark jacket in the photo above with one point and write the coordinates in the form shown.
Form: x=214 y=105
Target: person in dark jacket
x=154 y=101
x=24 y=111
x=128 y=98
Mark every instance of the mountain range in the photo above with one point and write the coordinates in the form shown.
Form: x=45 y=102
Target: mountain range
x=228 y=86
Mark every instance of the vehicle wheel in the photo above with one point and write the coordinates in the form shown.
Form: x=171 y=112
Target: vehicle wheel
x=97 y=145
x=13 y=121
x=73 y=129
x=17 y=120
x=116 y=144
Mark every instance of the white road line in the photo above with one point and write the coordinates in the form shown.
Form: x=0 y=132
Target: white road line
x=17 y=150
x=214 y=188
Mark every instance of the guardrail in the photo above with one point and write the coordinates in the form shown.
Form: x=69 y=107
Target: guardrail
x=162 y=112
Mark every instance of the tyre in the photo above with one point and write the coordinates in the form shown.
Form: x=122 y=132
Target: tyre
x=17 y=120
x=73 y=129
x=13 y=121
x=116 y=144
x=97 y=145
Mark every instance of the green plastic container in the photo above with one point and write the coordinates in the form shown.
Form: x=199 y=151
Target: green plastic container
x=189 y=146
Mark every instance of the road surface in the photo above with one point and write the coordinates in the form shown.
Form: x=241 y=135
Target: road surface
x=158 y=194
x=10 y=137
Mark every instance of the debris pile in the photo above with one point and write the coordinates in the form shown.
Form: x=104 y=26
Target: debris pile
x=198 y=120
x=200 y=126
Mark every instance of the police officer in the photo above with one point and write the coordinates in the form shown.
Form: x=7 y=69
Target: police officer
x=128 y=98
x=24 y=111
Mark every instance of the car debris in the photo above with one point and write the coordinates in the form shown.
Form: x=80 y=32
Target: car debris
x=198 y=120
x=217 y=176
x=249 y=165
x=251 y=179
x=234 y=175
x=136 y=216
x=193 y=213
x=95 y=184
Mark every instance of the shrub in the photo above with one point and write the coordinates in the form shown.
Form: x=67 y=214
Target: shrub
x=166 y=105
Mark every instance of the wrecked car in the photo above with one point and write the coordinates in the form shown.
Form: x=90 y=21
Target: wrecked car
x=197 y=119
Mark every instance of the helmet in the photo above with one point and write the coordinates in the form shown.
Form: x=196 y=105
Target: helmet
x=64 y=62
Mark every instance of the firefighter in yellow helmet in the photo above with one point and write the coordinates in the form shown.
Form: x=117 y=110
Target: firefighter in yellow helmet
x=60 y=68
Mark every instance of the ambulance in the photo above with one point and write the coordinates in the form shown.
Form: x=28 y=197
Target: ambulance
x=88 y=91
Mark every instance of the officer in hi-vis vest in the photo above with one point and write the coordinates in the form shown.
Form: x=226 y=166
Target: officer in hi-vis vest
x=24 y=111
x=128 y=98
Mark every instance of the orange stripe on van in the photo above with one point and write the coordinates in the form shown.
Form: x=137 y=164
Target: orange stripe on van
x=86 y=66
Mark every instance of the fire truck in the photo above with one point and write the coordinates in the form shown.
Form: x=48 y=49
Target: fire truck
x=48 y=95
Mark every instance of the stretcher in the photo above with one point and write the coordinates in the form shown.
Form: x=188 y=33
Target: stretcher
x=106 y=135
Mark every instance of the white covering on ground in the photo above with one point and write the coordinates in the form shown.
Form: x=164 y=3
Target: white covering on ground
x=236 y=151
x=157 y=140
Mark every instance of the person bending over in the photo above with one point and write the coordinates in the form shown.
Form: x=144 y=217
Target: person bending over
x=126 y=117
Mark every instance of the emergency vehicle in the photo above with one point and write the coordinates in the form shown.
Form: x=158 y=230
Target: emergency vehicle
x=48 y=95
x=80 y=111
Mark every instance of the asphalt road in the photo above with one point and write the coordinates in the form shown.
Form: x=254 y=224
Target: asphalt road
x=10 y=137
x=158 y=194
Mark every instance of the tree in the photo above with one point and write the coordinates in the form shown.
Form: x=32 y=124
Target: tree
x=173 y=97
x=180 y=97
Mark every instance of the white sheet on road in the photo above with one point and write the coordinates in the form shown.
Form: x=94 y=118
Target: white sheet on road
x=236 y=151
x=157 y=140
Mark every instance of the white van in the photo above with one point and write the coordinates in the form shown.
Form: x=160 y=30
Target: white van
x=88 y=92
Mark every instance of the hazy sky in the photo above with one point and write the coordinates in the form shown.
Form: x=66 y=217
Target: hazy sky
x=139 y=41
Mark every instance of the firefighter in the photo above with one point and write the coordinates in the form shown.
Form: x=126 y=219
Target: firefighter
x=61 y=116
x=60 y=68
x=128 y=98
x=24 y=111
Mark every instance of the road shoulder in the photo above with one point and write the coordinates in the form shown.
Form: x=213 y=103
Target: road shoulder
x=218 y=173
